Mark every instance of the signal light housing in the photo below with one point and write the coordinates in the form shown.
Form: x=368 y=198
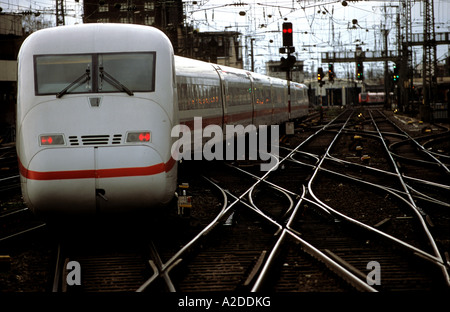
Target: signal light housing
x=320 y=74
x=51 y=140
x=359 y=70
x=331 y=72
x=396 y=75
x=287 y=35
x=139 y=137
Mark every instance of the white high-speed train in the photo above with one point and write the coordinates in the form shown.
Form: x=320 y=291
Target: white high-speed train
x=96 y=106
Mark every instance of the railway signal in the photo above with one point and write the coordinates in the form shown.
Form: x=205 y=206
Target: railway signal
x=396 y=76
x=287 y=35
x=359 y=70
x=320 y=76
x=331 y=72
x=288 y=47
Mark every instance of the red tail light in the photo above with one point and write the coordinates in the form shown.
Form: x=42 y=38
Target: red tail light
x=144 y=137
x=54 y=139
x=141 y=136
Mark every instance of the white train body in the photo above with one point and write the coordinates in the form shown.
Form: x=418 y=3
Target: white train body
x=80 y=152
x=96 y=106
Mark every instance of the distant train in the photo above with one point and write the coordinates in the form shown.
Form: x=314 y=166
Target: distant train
x=372 y=98
x=96 y=106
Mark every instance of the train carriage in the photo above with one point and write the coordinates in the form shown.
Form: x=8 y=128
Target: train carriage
x=371 y=98
x=199 y=94
x=280 y=100
x=237 y=103
x=299 y=105
x=262 y=99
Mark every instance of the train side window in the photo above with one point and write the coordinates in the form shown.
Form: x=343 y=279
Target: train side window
x=183 y=97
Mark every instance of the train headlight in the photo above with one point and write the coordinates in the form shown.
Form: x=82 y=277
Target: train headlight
x=52 y=139
x=139 y=136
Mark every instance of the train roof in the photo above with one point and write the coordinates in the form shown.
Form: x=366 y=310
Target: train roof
x=191 y=67
x=96 y=38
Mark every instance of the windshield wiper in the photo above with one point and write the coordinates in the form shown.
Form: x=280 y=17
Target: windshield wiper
x=79 y=81
x=113 y=81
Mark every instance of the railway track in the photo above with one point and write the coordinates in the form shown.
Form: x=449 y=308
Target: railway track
x=326 y=220
x=109 y=257
x=236 y=258
x=9 y=177
x=399 y=263
x=274 y=233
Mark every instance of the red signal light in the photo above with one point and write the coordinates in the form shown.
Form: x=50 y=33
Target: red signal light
x=287 y=35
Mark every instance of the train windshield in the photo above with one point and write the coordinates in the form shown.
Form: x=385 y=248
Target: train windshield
x=95 y=73
x=54 y=73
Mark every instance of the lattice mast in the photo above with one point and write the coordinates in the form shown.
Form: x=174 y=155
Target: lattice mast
x=429 y=54
x=60 y=21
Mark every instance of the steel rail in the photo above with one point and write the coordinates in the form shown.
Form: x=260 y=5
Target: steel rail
x=437 y=259
x=175 y=259
x=10 y=213
x=273 y=185
x=335 y=267
x=37 y=227
x=291 y=202
x=165 y=273
x=419 y=212
x=9 y=178
x=323 y=159
x=425 y=255
x=58 y=270
x=311 y=250
x=414 y=249
x=423 y=149
x=227 y=207
x=427 y=198
x=426 y=182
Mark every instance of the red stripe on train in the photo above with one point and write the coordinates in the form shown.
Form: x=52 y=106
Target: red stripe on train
x=98 y=174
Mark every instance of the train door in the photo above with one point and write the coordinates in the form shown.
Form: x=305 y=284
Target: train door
x=289 y=97
x=223 y=96
x=253 y=95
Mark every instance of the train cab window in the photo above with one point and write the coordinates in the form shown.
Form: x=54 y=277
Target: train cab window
x=86 y=73
x=133 y=70
x=54 y=73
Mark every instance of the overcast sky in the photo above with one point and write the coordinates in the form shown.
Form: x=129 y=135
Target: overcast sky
x=319 y=25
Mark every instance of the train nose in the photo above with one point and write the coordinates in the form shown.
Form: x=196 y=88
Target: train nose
x=95 y=179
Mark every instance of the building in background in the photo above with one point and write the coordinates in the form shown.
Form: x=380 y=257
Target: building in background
x=11 y=38
x=216 y=47
x=221 y=47
x=165 y=15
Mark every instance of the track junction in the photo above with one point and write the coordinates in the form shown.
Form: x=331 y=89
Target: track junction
x=359 y=202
